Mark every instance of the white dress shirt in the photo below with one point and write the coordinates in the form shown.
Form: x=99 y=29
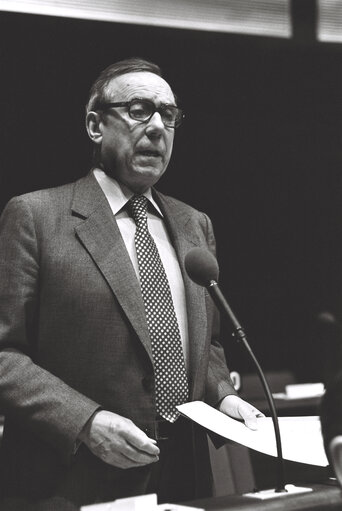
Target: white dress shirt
x=117 y=196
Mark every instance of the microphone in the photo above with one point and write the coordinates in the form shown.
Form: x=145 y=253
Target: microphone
x=202 y=268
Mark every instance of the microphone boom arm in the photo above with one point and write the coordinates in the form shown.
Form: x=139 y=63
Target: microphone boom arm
x=240 y=335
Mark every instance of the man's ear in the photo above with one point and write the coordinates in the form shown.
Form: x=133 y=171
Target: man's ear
x=93 y=125
x=335 y=448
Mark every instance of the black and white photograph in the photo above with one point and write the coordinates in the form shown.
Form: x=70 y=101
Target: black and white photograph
x=170 y=255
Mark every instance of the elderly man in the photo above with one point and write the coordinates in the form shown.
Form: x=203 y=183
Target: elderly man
x=102 y=333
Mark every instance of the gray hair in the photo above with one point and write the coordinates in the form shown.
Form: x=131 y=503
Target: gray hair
x=99 y=88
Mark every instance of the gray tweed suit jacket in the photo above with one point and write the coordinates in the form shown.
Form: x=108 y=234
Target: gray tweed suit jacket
x=73 y=333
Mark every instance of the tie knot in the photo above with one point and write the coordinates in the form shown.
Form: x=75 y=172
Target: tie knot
x=138 y=206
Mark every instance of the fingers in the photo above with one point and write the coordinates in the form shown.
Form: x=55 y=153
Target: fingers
x=126 y=456
x=249 y=418
x=118 y=441
x=250 y=415
x=239 y=409
x=141 y=441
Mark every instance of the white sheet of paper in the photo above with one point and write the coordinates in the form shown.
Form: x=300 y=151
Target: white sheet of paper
x=139 y=503
x=300 y=436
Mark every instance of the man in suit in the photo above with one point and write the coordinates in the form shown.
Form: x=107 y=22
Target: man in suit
x=81 y=387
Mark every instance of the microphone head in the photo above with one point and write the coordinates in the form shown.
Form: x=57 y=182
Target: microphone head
x=201 y=266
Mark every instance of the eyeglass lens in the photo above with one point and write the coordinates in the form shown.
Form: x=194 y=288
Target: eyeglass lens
x=142 y=110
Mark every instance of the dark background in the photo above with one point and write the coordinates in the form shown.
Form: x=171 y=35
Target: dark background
x=260 y=152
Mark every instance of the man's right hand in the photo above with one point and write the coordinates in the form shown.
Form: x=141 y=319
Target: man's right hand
x=118 y=441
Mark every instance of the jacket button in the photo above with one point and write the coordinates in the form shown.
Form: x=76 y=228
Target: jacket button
x=148 y=383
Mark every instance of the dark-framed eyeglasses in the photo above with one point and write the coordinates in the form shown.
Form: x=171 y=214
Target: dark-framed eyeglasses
x=142 y=110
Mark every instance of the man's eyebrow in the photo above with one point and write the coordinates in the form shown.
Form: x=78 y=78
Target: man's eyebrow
x=151 y=101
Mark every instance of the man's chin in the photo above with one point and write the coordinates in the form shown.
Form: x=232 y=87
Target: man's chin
x=148 y=172
x=143 y=177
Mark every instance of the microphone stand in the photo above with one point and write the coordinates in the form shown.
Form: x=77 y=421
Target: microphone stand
x=240 y=336
x=202 y=268
x=238 y=332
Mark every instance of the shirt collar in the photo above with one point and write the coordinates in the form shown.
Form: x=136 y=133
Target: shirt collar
x=118 y=194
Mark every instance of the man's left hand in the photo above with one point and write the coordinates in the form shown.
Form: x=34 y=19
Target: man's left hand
x=237 y=408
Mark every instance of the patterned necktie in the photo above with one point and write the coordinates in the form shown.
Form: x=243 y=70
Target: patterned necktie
x=169 y=366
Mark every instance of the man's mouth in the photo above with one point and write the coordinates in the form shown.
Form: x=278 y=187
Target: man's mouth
x=150 y=153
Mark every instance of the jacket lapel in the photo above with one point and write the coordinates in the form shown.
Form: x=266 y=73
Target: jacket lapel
x=184 y=238
x=101 y=237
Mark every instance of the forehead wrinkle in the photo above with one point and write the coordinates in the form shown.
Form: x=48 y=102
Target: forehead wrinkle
x=157 y=91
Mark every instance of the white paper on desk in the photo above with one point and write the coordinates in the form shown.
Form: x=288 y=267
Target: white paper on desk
x=300 y=436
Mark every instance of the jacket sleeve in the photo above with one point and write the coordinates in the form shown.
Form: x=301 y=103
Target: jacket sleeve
x=219 y=384
x=29 y=395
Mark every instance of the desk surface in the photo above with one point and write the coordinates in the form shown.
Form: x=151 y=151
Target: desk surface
x=324 y=497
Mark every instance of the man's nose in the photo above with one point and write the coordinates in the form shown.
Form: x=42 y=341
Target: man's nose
x=155 y=125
